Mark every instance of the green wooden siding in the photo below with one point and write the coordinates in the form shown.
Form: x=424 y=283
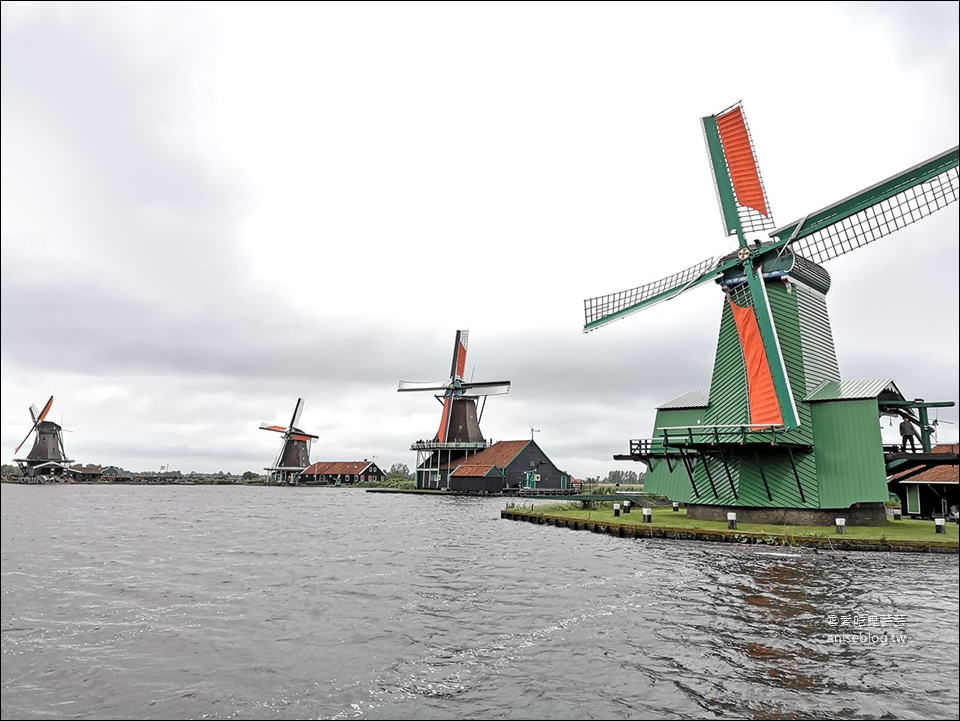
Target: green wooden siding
x=764 y=479
x=846 y=465
x=728 y=388
x=659 y=479
x=819 y=353
x=849 y=452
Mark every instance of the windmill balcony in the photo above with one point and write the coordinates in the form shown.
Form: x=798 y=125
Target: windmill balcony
x=443 y=446
x=678 y=437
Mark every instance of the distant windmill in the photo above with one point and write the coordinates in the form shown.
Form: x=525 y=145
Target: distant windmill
x=47 y=456
x=294 y=454
x=458 y=434
x=778 y=429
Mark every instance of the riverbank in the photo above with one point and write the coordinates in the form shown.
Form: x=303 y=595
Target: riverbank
x=915 y=536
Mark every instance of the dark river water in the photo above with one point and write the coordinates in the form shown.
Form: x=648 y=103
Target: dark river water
x=202 y=602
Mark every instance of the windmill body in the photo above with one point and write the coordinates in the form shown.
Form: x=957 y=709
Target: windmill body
x=47 y=456
x=458 y=435
x=779 y=436
x=294 y=454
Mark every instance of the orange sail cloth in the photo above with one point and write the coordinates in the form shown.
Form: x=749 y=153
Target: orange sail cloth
x=442 y=433
x=761 y=395
x=740 y=161
x=461 y=359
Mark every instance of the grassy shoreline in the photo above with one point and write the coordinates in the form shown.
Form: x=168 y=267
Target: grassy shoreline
x=903 y=535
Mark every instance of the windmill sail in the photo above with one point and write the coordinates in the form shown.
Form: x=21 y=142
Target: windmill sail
x=877 y=211
x=38 y=418
x=740 y=190
x=459 y=364
x=744 y=208
x=607 y=308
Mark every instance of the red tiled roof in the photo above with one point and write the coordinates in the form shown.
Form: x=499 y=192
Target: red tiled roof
x=499 y=455
x=937 y=474
x=321 y=468
x=473 y=470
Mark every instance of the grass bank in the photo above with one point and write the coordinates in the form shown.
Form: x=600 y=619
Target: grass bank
x=668 y=520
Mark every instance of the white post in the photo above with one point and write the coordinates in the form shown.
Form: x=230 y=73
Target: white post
x=941 y=524
x=732 y=520
x=616 y=509
x=647 y=515
x=676 y=507
x=841 y=523
x=626 y=506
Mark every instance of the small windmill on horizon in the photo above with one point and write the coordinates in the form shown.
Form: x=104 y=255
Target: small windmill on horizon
x=294 y=454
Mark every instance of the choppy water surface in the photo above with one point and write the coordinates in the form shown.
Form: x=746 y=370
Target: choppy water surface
x=174 y=602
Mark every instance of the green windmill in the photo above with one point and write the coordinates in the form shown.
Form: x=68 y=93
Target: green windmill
x=778 y=435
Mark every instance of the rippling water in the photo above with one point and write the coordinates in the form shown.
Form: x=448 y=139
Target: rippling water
x=175 y=602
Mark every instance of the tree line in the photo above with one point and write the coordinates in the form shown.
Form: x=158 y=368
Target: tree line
x=624 y=478
x=402 y=472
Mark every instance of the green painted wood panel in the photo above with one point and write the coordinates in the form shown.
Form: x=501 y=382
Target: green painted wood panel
x=659 y=478
x=728 y=386
x=850 y=467
x=816 y=337
x=913 y=499
x=853 y=462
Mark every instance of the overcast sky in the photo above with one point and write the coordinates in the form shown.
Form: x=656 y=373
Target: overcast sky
x=209 y=211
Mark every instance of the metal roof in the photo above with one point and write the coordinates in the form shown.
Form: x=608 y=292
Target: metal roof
x=693 y=399
x=853 y=390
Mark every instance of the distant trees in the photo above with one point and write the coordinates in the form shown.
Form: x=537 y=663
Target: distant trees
x=399 y=471
x=8 y=469
x=249 y=475
x=626 y=478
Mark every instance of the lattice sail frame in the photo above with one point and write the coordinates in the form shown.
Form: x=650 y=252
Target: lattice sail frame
x=740 y=294
x=840 y=228
x=738 y=170
x=881 y=219
x=605 y=306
